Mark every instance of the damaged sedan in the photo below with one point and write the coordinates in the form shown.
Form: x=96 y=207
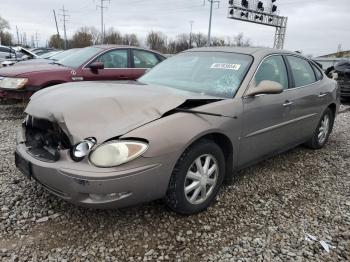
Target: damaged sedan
x=179 y=132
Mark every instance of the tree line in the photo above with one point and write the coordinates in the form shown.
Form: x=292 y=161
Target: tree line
x=155 y=40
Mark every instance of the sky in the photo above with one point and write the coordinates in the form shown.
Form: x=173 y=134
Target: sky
x=316 y=27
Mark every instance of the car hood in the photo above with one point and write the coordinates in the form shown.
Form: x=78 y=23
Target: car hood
x=105 y=110
x=29 y=68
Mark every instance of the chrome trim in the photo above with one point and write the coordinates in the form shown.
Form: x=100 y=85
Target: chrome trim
x=267 y=129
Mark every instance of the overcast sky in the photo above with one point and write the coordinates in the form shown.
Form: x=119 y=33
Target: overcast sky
x=314 y=26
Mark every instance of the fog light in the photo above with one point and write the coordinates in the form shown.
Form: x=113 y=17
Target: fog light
x=109 y=197
x=82 y=149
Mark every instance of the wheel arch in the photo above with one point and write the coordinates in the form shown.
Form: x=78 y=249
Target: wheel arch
x=226 y=145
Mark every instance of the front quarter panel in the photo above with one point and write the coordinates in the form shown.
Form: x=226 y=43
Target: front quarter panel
x=174 y=133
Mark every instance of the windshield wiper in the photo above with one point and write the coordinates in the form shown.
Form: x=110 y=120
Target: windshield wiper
x=202 y=113
x=56 y=63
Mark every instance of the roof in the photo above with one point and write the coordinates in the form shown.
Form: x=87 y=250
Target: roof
x=106 y=47
x=256 y=51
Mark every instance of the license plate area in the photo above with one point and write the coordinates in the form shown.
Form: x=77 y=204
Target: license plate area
x=23 y=165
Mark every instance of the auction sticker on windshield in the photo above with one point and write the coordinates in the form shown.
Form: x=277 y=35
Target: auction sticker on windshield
x=226 y=66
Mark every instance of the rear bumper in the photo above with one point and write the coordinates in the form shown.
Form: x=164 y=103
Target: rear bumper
x=118 y=189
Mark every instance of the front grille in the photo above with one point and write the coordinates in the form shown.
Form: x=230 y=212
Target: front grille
x=44 y=139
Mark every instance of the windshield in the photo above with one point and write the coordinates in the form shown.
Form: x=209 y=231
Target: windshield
x=211 y=73
x=63 y=54
x=77 y=58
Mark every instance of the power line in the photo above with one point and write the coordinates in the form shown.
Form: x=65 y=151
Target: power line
x=102 y=7
x=64 y=15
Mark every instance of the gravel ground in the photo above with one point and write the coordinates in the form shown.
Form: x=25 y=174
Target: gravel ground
x=264 y=215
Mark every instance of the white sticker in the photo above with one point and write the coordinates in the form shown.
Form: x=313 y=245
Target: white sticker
x=226 y=66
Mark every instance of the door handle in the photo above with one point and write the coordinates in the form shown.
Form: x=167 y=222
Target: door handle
x=322 y=95
x=288 y=103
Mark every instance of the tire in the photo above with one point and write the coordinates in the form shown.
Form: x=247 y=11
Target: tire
x=316 y=142
x=187 y=174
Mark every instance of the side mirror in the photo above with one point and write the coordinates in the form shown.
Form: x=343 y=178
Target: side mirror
x=266 y=87
x=96 y=65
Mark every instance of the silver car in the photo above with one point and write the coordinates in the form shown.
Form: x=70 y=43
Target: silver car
x=177 y=133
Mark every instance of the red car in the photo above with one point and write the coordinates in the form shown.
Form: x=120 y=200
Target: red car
x=103 y=62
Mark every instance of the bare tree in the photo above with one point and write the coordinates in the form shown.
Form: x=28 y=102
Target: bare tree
x=216 y=41
x=4 y=24
x=130 y=39
x=200 y=39
x=82 y=38
x=56 y=41
x=240 y=40
x=156 y=41
x=113 y=37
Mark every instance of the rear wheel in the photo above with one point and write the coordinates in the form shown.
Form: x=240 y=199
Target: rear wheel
x=322 y=131
x=196 y=178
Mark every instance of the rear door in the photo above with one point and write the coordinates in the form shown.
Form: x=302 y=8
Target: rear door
x=309 y=99
x=143 y=60
x=117 y=66
x=265 y=117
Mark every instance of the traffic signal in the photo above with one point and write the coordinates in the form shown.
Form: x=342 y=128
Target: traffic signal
x=245 y=3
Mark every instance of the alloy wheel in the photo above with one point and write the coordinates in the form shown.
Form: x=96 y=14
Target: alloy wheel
x=201 y=179
x=323 y=129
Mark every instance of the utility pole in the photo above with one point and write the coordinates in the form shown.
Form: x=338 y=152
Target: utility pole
x=64 y=15
x=17 y=35
x=36 y=39
x=191 y=24
x=54 y=15
x=102 y=7
x=210 y=18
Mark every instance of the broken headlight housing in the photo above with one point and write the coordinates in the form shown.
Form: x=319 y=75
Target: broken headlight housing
x=82 y=149
x=115 y=153
x=13 y=82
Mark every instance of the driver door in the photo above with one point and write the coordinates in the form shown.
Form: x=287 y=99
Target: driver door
x=265 y=116
x=116 y=66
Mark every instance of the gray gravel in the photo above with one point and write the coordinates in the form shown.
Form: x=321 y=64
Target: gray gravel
x=264 y=215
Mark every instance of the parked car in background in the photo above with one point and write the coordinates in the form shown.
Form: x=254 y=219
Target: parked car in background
x=179 y=131
x=341 y=72
x=105 y=62
x=49 y=59
x=42 y=50
x=16 y=55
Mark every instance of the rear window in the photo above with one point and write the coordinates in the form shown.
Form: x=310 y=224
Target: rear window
x=302 y=71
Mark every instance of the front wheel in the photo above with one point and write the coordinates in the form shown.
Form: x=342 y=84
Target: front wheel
x=196 y=178
x=322 y=131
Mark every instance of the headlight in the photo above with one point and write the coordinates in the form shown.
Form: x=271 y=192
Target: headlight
x=13 y=83
x=115 y=153
x=82 y=149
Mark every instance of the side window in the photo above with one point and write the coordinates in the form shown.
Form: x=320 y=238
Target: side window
x=114 y=59
x=318 y=73
x=144 y=59
x=272 y=68
x=302 y=71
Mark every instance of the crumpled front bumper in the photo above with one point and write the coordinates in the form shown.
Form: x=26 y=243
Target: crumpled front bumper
x=114 y=189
